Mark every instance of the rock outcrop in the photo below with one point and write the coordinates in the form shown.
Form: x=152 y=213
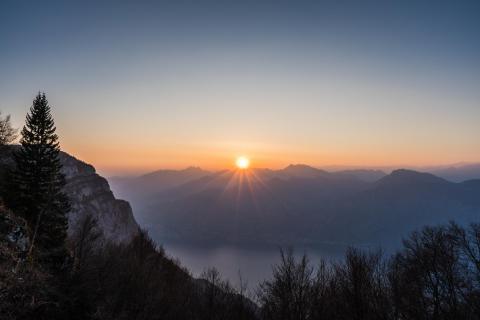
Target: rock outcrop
x=13 y=236
x=90 y=194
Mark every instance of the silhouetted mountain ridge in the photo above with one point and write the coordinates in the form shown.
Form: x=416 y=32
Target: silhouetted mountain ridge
x=403 y=177
x=302 y=171
x=304 y=204
x=458 y=172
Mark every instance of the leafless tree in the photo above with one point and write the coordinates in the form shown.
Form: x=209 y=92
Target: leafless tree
x=360 y=287
x=86 y=237
x=289 y=294
x=7 y=133
x=428 y=279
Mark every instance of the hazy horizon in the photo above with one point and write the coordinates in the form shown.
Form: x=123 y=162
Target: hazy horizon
x=329 y=168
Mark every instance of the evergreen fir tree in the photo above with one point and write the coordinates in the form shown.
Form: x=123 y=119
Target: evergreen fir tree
x=35 y=186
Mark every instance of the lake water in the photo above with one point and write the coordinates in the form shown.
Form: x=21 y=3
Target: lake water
x=253 y=263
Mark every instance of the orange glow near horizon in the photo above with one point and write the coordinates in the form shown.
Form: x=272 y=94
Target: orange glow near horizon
x=111 y=160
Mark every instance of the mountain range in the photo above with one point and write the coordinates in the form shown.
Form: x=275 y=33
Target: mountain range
x=457 y=172
x=297 y=204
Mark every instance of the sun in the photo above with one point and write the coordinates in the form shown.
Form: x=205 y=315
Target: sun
x=242 y=162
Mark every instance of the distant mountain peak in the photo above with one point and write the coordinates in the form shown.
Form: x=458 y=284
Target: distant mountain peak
x=159 y=180
x=193 y=169
x=405 y=176
x=302 y=171
x=297 y=166
x=163 y=172
x=458 y=172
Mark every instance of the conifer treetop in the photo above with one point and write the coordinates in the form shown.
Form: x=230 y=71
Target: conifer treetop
x=39 y=126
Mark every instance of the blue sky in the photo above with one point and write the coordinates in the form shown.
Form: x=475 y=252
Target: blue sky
x=141 y=85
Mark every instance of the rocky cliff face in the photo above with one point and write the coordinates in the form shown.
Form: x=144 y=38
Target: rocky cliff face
x=90 y=194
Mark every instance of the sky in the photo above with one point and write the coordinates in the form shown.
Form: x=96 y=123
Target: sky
x=137 y=86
